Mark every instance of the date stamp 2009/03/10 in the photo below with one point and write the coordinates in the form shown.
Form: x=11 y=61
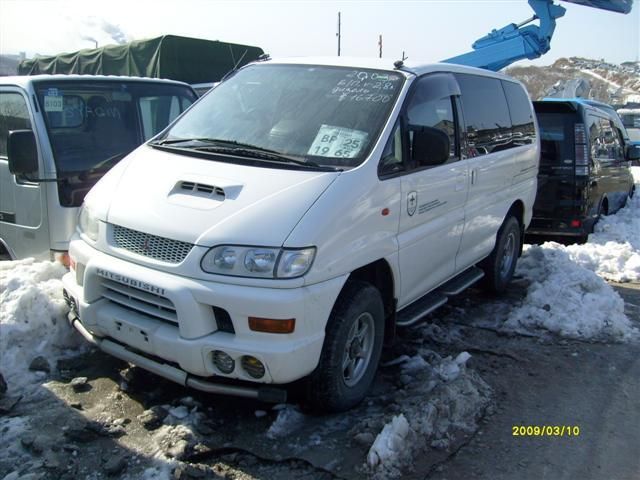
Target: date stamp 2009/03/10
x=545 y=430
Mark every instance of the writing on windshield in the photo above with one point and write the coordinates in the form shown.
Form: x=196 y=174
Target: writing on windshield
x=330 y=116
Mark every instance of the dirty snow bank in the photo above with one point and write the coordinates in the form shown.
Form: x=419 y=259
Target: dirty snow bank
x=613 y=250
x=567 y=299
x=441 y=400
x=32 y=321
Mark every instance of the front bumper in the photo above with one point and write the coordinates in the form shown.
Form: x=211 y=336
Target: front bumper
x=169 y=319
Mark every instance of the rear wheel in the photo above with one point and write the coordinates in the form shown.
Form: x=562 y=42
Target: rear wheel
x=351 y=351
x=500 y=265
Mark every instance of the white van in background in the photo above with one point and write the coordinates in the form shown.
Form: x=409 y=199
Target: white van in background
x=287 y=223
x=58 y=135
x=631 y=120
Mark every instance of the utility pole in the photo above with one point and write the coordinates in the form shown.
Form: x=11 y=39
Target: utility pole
x=380 y=45
x=338 y=34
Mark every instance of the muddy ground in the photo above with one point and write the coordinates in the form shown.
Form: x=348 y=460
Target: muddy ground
x=116 y=424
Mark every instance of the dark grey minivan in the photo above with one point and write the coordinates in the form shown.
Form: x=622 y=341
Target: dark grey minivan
x=584 y=167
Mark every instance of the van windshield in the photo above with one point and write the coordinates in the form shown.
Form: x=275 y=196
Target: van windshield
x=557 y=139
x=93 y=125
x=319 y=115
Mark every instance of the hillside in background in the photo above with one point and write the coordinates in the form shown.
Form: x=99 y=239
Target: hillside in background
x=569 y=77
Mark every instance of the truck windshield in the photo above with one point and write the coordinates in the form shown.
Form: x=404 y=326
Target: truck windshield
x=93 y=124
x=326 y=116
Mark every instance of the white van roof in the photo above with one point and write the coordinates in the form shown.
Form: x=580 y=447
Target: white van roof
x=407 y=67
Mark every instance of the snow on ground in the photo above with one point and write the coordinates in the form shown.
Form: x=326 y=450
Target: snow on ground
x=613 y=250
x=567 y=299
x=32 y=321
x=289 y=420
x=440 y=397
x=569 y=295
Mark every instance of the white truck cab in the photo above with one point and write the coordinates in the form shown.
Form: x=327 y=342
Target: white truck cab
x=58 y=135
x=291 y=219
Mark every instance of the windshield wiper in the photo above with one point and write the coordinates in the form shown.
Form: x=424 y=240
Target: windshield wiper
x=244 y=149
x=105 y=164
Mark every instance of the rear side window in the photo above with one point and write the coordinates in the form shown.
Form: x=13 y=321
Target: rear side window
x=604 y=139
x=486 y=114
x=14 y=115
x=523 y=131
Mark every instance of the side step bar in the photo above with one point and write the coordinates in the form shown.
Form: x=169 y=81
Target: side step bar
x=413 y=313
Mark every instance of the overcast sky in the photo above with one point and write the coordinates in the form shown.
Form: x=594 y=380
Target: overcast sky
x=427 y=30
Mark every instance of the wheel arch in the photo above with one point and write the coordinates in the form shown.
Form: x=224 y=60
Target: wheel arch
x=5 y=250
x=380 y=275
x=517 y=210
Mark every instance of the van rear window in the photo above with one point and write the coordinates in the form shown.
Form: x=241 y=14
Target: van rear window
x=557 y=139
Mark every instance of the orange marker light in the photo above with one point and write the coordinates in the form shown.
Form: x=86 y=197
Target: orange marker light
x=272 y=325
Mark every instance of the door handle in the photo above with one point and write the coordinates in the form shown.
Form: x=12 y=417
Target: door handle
x=474 y=176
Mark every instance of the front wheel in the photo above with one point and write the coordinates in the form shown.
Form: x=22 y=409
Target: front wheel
x=351 y=351
x=500 y=265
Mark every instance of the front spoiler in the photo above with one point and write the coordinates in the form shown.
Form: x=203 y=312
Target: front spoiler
x=177 y=375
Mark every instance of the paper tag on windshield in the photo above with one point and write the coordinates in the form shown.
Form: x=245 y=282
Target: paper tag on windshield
x=337 y=142
x=53 y=103
x=121 y=96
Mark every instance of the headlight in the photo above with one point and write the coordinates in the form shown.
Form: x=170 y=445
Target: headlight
x=88 y=223
x=294 y=263
x=262 y=262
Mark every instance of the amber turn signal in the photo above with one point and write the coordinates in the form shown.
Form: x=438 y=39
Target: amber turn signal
x=272 y=325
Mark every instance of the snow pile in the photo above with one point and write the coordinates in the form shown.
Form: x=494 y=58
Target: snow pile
x=567 y=299
x=32 y=320
x=613 y=250
x=440 y=400
x=450 y=368
x=289 y=420
x=390 y=442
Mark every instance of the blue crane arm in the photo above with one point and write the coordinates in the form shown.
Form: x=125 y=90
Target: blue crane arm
x=502 y=47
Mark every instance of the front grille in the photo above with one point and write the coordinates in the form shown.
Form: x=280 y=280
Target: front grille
x=152 y=246
x=140 y=301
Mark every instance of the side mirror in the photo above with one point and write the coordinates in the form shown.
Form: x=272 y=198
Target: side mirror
x=430 y=146
x=22 y=152
x=633 y=152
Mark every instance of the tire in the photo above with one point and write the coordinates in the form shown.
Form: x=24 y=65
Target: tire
x=351 y=351
x=500 y=265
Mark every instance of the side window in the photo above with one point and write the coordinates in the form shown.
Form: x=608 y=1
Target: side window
x=159 y=111
x=521 y=112
x=14 y=115
x=437 y=114
x=486 y=114
x=611 y=141
x=392 y=154
x=605 y=144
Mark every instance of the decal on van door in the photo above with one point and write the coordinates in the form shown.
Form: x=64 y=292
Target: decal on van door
x=412 y=203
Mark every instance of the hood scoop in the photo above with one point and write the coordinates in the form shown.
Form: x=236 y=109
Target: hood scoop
x=202 y=194
x=201 y=189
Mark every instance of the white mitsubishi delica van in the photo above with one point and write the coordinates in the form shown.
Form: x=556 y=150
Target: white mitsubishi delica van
x=286 y=223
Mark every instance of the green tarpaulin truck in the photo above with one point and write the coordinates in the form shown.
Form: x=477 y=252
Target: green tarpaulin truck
x=189 y=60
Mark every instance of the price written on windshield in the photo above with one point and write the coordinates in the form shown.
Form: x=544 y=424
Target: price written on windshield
x=337 y=142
